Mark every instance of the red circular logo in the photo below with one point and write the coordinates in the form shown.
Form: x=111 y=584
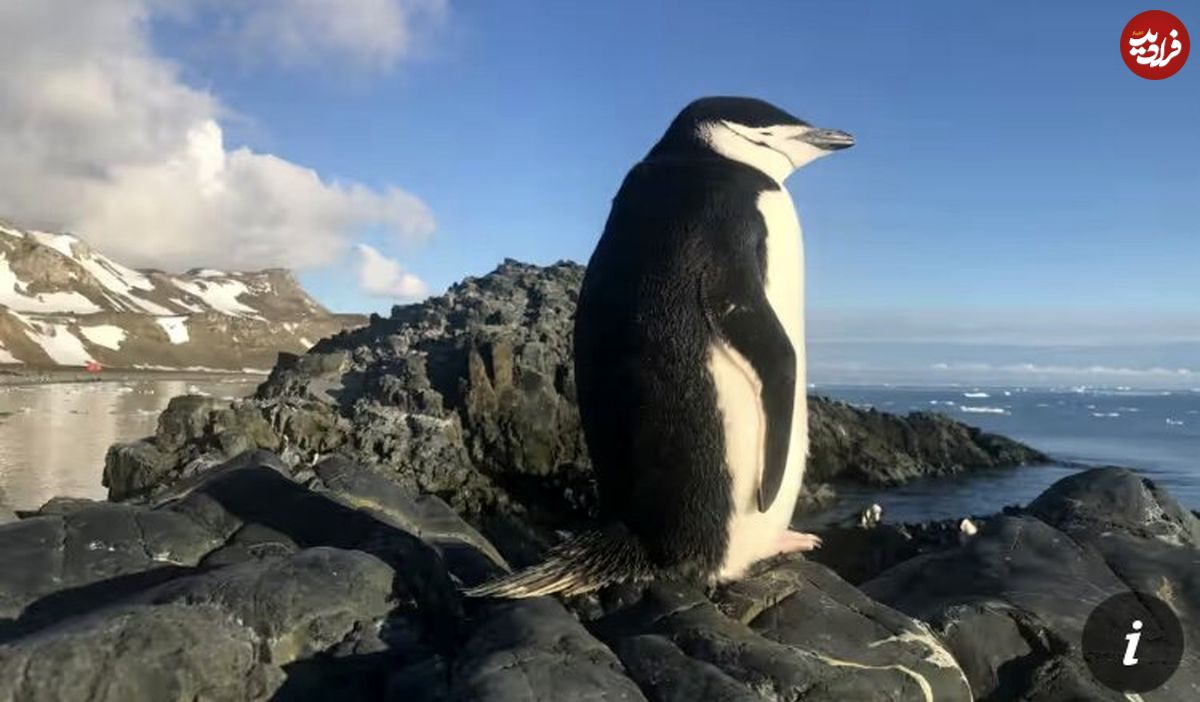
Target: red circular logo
x=1155 y=44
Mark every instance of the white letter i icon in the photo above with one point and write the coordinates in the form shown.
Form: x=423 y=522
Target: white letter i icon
x=1132 y=637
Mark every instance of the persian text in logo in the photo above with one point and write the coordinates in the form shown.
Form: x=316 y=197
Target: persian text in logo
x=1155 y=44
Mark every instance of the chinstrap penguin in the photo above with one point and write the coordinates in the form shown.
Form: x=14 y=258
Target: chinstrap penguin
x=689 y=357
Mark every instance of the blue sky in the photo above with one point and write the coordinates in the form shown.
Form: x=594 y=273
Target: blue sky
x=1013 y=186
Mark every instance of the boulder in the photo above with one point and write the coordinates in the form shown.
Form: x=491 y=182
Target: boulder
x=53 y=558
x=1011 y=602
x=1105 y=500
x=793 y=631
x=242 y=583
x=302 y=595
x=535 y=650
x=139 y=654
x=133 y=467
x=298 y=605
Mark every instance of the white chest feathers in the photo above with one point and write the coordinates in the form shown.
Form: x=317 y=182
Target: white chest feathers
x=755 y=535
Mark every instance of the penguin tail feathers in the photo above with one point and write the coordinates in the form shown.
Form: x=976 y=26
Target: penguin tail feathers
x=584 y=563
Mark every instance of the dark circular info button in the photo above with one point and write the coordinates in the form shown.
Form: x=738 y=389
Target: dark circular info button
x=1132 y=642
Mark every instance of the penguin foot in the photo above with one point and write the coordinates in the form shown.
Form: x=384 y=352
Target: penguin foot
x=795 y=542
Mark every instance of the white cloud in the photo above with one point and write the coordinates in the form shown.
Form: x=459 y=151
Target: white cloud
x=373 y=33
x=380 y=276
x=101 y=136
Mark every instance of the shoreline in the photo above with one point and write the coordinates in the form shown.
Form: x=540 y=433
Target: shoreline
x=18 y=376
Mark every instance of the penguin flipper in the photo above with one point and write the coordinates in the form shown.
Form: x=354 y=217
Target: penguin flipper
x=739 y=312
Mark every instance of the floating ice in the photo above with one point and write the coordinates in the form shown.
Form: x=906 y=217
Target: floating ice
x=982 y=410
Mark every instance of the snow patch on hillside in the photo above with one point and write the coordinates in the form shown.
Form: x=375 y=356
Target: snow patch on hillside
x=186 y=306
x=221 y=295
x=5 y=356
x=109 y=336
x=121 y=282
x=63 y=347
x=13 y=296
x=59 y=242
x=175 y=327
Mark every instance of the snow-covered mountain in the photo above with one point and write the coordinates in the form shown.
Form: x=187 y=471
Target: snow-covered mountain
x=63 y=304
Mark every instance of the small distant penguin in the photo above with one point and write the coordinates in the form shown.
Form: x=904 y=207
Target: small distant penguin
x=689 y=358
x=967 y=527
x=870 y=517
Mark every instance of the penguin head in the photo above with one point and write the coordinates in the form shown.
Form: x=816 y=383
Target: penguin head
x=750 y=131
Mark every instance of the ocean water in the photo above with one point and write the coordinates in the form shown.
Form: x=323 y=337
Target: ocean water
x=1155 y=432
x=53 y=437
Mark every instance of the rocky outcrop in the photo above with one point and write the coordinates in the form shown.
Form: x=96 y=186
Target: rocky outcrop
x=63 y=304
x=1012 y=601
x=248 y=585
x=471 y=396
x=243 y=583
x=878 y=448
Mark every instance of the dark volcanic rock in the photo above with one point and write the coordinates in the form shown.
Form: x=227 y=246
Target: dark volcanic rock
x=795 y=632
x=101 y=542
x=301 y=595
x=1012 y=601
x=859 y=553
x=139 y=653
x=886 y=449
x=470 y=396
x=297 y=606
x=1103 y=500
x=242 y=583
x=535 y=650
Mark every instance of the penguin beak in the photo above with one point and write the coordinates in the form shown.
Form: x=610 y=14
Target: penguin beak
x=827 y=139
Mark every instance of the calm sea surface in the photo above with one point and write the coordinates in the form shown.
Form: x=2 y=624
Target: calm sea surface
x=53 y=437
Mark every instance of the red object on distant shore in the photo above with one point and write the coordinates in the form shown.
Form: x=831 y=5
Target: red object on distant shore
x=92 y=366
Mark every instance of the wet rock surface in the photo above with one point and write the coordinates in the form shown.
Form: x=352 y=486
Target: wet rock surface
x=244 y=583
x=1011 y=602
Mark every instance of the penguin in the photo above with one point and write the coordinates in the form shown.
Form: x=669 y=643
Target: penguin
x=967 y=527
x=689 y=358
x=871 y=517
